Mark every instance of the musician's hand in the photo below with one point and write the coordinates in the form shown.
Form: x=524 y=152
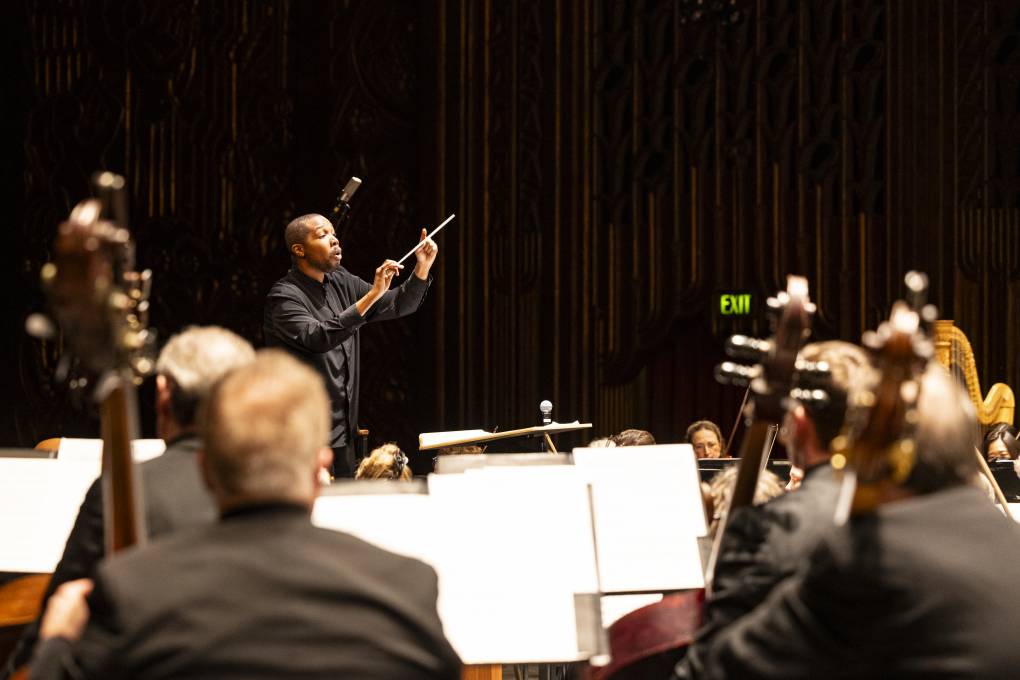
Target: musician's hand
x=425 y=256
x=796 y=477
x=384 y=276
x=67 y=612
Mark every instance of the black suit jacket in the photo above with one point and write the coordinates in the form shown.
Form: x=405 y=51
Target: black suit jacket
x=175 y=497
x=765 y=544
x=262 y=594
x=912 y=591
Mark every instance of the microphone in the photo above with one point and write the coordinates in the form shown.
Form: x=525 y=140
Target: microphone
x=342 y=208
x=545 y=408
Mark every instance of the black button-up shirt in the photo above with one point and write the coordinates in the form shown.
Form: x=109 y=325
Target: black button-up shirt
x=319 y=322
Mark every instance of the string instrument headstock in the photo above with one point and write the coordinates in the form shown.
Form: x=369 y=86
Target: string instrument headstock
x=99 y=299
x=882 y=451
x=770 y=381
x=101 y=303
x=776 y=374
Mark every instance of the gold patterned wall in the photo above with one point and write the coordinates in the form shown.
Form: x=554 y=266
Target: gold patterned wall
x=626 y=160
x=612 y=166
x=228 y=118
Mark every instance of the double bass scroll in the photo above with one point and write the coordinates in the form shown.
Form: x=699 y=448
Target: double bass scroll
x=101 y=304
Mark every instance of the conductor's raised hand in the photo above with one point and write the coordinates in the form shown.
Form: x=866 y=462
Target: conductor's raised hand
x=425 y=256
x=384 y=276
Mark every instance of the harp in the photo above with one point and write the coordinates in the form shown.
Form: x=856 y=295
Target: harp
x=952 y=350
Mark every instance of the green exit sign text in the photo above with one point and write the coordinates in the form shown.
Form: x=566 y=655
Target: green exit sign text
x=734 y=304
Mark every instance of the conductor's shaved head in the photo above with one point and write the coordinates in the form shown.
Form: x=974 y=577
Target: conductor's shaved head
x=297 y=230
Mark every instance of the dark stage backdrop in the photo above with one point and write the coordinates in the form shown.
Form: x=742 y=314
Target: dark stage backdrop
x=613 y=165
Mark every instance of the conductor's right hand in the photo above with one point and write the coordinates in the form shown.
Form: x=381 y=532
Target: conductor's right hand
x=384 y=276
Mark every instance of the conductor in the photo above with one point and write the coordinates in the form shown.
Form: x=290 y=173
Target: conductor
x=316 y=310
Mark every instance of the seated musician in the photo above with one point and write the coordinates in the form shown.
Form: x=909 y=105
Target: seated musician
x=634 y=437
x=1001 y=443
x=175 y=497
x=705 y=437
x=385 y=462
x=602 y=443
x=765 y=544
x=262 y=593
x=461 y=450
x=720 y=489
x=911 y=590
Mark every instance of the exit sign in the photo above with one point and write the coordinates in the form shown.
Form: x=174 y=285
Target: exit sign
x=735 y=304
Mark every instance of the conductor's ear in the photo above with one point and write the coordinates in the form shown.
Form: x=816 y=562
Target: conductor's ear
x=297 y=250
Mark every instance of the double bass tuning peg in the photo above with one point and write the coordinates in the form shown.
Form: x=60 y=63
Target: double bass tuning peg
x=40 y=326
x=746 y=348
x=730 y=373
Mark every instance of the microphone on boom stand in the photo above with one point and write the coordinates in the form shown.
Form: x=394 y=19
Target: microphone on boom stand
x=341 y=211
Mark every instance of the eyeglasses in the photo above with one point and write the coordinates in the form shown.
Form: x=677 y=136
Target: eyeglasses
x=706 y=447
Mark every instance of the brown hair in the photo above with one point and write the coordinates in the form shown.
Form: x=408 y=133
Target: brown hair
x=632 y=437
x=698 y=426
x=850 y=373
x=721 y=490
x=464 y=449
x=385 y=462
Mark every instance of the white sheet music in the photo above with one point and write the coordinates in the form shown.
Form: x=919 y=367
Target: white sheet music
x=92 y=449
x=1014 y=508
x=522 y=547
x=510 y=550
x=401 y=523
x=648 y=516
x=39 y=501
x=615 y=607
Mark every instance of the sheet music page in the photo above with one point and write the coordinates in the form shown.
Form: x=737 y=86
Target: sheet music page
x=648 y=516
x=510 y=548
x=400 y=523
x=1014 y=508
x=39 y=501
x=92 y=449
x=615 y=607
x=520 y=546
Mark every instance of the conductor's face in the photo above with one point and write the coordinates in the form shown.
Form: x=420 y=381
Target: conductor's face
x=321 y=247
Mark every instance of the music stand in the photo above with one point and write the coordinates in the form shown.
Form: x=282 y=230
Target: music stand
x=437 y=440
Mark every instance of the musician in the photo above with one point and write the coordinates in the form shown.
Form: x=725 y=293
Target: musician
x=1001 y=443
x=385 y=462
x=765 y=544
x=912 y=590
x=634 y=437
x=705 y=437
x=262 y=593
x=174 y=494
x=317 y=309
x=720 y=491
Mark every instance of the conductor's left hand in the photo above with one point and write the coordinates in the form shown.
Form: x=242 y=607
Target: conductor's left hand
x=425 y=256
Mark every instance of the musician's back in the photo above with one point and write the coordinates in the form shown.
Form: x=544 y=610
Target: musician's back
x=264 y=594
